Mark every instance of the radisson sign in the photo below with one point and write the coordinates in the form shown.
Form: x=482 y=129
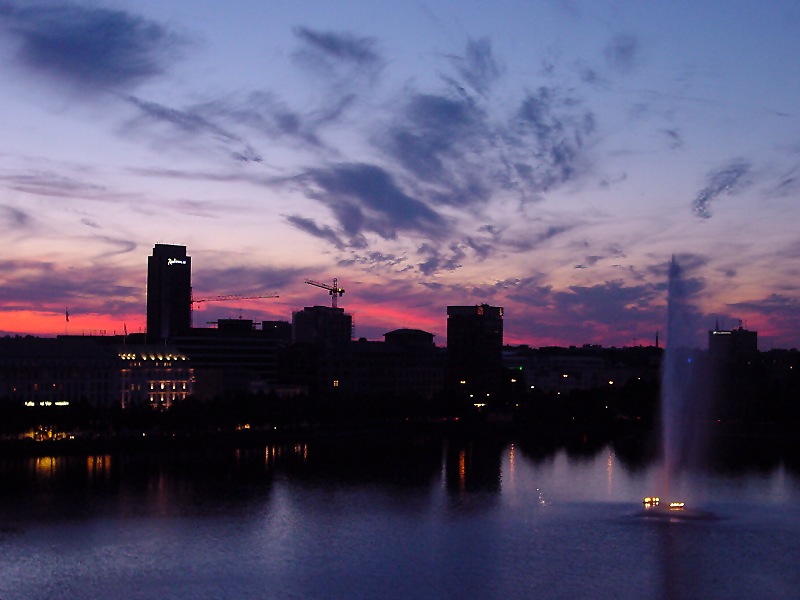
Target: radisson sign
x=175 y=261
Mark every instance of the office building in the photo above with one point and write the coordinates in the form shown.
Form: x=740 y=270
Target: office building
x=731 y=346
x=475 y=349
x=235 y=357
x=407 y=365
x=169 y=292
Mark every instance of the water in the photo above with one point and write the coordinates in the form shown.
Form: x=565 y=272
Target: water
x=423 y=517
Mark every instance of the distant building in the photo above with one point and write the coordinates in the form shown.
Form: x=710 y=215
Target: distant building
x=323 y=326
x=406 y=364
x=731 y=346
x=236 y=356
x=47 y=372
x=57 y=372
x=564 y=370
x=169 y=292
x=475 y=349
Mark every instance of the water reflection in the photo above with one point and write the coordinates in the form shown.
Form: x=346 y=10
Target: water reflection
x=357 y=516
x=464 y=465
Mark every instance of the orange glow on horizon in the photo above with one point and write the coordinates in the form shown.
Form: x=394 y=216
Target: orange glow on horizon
x=30 y=322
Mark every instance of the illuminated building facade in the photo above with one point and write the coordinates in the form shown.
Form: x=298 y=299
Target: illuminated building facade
x=169 y=292
x=475 y=349
x=154 y=375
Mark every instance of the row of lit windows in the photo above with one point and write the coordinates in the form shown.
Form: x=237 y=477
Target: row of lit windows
x=151 y=356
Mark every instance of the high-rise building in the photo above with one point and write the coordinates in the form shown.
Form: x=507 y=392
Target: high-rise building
x=169 y=292
x=475 y=348
x=322 y=326
x=728 y=346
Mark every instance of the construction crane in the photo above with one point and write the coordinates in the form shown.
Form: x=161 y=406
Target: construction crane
x=194 y=301
x=231 y=297
x=334 y=290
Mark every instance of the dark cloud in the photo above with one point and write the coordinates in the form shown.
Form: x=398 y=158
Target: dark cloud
x=345 y=61
x=780 y=312
x=436 y=260
x=549 y=139
x=773 y=305
x=188 y=121
x=119 y=246
x=622 y=52
x=247 y=154
x=243 y=280
x=788 y=183
x=263 y=114
x=527 y=291
x=89 y=47
x=457 y=155
x=310 y=227
x=230 y=122
x=15 y=218
x=478 y=68
x=343 y=47
x=589 y=261
x=432 y=137
x=365 y=198
x=96 y=288
x=606 y=303
x=588 y=75
x=482 y=249
x=373 y=260
x=724 y=180
x=674 y=137
x=212 y=123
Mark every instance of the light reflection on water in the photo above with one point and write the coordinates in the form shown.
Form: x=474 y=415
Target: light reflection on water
x=411 y=518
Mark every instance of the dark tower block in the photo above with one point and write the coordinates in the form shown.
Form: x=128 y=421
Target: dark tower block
x=475 y=349
x=169 y=292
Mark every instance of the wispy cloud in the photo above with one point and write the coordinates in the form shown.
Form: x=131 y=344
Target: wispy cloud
x=727 y=179
x=478 y=67
x=436 y=259
x=341 y=47
x=96 y=288
x=550 y=139
x=48 y=183
x=15 y=218
x=622 y=52
x=247 y=281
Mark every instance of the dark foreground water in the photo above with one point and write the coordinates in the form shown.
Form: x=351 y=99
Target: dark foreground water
x=413 y=518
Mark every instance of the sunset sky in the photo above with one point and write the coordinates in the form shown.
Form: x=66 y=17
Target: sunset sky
x=549 y=157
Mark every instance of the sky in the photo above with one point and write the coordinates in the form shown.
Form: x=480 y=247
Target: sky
x=549 y=157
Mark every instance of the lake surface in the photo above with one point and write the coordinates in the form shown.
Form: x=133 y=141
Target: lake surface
x=421 y=517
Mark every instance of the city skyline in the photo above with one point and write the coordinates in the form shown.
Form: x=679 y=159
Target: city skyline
x=547 y=157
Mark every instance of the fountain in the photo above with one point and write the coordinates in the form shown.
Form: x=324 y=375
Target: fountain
x=682 y=410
